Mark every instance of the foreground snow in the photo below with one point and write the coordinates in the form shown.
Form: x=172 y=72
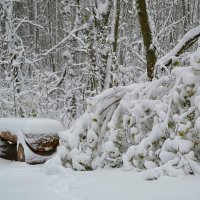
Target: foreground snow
x=19 y=181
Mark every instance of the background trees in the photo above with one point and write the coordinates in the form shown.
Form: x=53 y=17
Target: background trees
x=55 y=54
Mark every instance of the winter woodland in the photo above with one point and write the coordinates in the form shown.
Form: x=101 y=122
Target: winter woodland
x=122 y=76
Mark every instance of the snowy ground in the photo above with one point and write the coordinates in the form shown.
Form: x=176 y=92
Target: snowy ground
x=19 y=181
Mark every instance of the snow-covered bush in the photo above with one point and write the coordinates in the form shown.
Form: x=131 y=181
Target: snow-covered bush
x=152 y=125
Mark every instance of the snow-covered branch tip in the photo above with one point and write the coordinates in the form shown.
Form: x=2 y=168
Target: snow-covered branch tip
x=187 y=41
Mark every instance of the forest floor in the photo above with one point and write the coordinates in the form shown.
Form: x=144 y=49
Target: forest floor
x=20 y=181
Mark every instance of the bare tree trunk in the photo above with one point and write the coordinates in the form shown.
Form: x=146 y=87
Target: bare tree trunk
x=184 y=15
x=101 y=25
x=116 y=26
x=150 y=50
x=111 y=61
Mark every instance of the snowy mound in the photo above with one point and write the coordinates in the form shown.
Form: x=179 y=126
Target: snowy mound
x=30 y=126
x=153 y=126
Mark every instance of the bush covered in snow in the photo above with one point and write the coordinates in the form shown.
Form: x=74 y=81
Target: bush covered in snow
x=152 y=125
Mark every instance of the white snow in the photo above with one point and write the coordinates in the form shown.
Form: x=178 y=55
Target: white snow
x=166 y=156
x=103 y=7
x=19 y=181
x=197 y=123
x=30 y=125
x=188 y=78
x=149 y=164
x=195 y=58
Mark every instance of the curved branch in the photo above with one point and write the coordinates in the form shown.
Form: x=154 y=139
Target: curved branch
x=187 y=41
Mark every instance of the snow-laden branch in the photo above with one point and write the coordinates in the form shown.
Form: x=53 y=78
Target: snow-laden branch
x=165 y=29
x=188 y=39
x=64 y=40
x=136 y=53
x=26 y=21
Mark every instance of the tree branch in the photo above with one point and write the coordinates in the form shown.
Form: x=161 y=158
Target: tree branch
x=187 y=41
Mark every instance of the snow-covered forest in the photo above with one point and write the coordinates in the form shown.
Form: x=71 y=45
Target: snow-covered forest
x=121 y=76
x=55 y=54
x=103 y=96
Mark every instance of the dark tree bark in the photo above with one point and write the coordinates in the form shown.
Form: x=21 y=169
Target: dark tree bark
x=150 y=50
x=116 y=31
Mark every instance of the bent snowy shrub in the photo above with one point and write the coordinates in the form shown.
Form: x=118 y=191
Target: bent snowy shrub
x=152 y=125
